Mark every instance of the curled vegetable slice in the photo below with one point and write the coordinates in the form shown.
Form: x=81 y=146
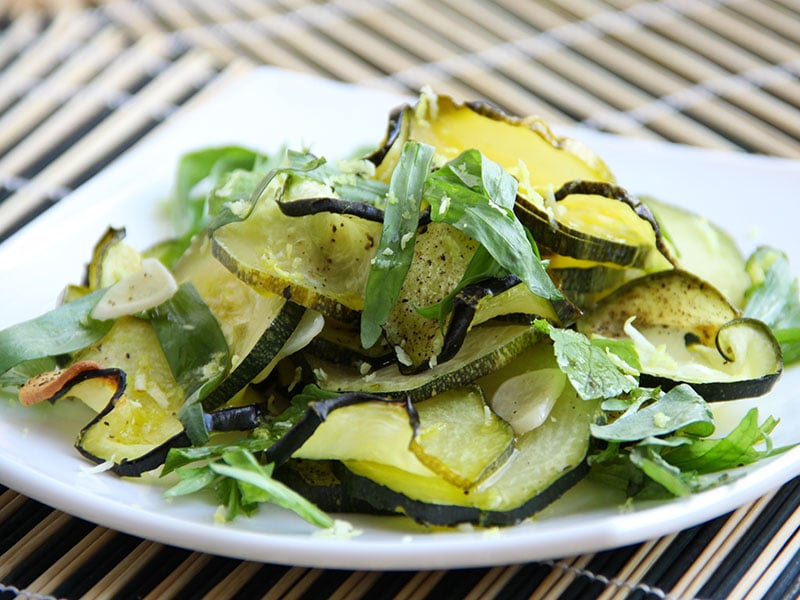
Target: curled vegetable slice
x=313 y=206
x=49 y=385
x=616 y=192
x=526 y=147
x=684 y=330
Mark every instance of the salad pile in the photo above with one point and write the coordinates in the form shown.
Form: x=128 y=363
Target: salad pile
x=458 y=326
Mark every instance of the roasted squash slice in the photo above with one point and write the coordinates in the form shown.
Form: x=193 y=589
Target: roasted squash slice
x=526 y=148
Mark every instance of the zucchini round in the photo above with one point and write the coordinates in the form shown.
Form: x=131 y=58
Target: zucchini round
x=702 y=248
x=686 y=331
x=320 y=261
x=545 y=463
x=486 y=348
x=453 y=127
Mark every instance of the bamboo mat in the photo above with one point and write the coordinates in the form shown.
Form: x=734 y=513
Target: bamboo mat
x=80 y=85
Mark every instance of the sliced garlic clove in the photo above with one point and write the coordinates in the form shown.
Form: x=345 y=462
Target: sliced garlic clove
x=139 y=291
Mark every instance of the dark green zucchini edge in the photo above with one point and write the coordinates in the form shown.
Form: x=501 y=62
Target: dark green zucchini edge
x=385 y=500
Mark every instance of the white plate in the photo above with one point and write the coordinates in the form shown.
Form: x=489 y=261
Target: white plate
x=751 y=196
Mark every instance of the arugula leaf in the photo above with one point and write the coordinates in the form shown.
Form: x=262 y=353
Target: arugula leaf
x=474 y=195
x=659 y=470
x=180 y=457
x=193 y=479
x=258 y=486
x=60 y=331
x=589 y=369
x=242 y=484
x=396 y=246
x=680 y=408
x=734 y=450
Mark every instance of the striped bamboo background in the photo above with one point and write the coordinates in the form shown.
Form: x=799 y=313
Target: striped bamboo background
x=81 y=83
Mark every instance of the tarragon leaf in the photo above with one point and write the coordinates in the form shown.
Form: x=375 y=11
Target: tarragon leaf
x=196 y=351
x=257 y=486
x=659 y=470
x=62 y=330
x=459 y=196
x=396 y=247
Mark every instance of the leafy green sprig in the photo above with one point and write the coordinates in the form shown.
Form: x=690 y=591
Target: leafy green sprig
x=239 y=481
x=654 y=442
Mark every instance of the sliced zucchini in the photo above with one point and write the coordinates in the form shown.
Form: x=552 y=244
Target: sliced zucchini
x=132 y=346
x=441 y=254
x=506 y=297
x=527 y=148
x=256 y=325
x=592 y=227
x=341 y=345
x=451 y=422
x=686 y=331
x=427 y=439
x=129 y=425
x=486 y=348
x=318 y=482
x=112 y=259
x=546 y=462
x=597 y=278
x=320 y=261
x=704 y=249
x=133 y=435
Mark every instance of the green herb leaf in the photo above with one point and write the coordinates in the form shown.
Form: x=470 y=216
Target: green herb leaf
x=192 y=481
x=736 y=449
x=659 y=470
x=680 y=408
x=245 y=469
x=65 y=329
x=178 y=458
x=396 y=247
x=196 y=351
x=239 y=208
x=589 y=369
x=470 y=194
x=774 y=298
x=200 y=171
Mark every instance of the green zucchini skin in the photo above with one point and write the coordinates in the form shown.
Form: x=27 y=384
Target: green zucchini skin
x=282 y=450
x=239 y=418
x=332 y=352
x=616 y=192
x=688 y=308
x=486 y=348
x=266 y=349
x=385 y=500
x=312 y=206
x=126 y=467
x=571 y=242
x=318 y=481
x=717 y=391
